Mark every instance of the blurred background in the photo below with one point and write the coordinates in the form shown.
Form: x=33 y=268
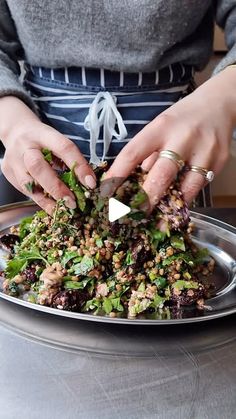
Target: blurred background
x=223 y=187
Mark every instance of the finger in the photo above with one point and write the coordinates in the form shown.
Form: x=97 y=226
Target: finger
x=66 y=150
x=161 y=175
x=193 y=182
x=24 y=179
x=42 y=172
x=138 y=149
x=191 y=185
x=149 y=162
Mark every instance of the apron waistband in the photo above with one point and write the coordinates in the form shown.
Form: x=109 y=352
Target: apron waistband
x=102 y=79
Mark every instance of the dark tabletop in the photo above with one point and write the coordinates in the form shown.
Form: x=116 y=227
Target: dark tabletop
x=88 y=370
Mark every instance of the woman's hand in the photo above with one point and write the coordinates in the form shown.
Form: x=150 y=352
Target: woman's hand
x=198 y=128
x=24 y=136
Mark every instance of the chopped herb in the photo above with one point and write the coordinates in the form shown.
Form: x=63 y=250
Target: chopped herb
x=181 y=285
x=129 y=260
x=68 y=255
x=86 y=265
x=30 y=186
x=99 y=243
x=70 y=180
x=177 y=242
x=47 y=155
x=24 y=227
x=77 y=285
x=139 y=198
x=107 y=305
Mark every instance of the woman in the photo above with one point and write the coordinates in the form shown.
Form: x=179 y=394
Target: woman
x=104 y=79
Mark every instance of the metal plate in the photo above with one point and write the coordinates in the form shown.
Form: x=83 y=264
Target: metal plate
x=218 y=237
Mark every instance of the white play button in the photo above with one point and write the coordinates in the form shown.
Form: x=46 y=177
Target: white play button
x=116 y=209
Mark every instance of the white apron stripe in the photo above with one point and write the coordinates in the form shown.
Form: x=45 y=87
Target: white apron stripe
x=171 y=74
x=102 y=80
x=83 y=77
x=52 y=74
x=121 y=105
x=66 y=75
x=121 y=79
x=157 y=77
x=140 y=78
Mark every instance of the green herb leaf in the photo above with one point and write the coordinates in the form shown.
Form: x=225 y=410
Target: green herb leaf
x=160 y=282
x=99 y=243
x=139 y=198
x=116 y=304
x=129 y=260
x=68 y=255
x=141 y=287
x=186 y=257
x=107 y=305
x=100 y=204
x=14 y=267
x=86 y=265
x=24 y=227
x=177 y=242
x=47 y=155
x=70 y=180
x=138 y=215
x=77 y=285
x=181 y=285
x=30 y=186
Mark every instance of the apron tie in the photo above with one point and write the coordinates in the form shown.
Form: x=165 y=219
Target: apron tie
x=103 y=113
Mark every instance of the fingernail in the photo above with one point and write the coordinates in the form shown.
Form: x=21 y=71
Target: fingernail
x=145 y=167
x=106 y=189
x=90 y=182
x=70 y=203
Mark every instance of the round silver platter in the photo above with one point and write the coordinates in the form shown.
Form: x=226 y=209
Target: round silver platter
x=218 y=237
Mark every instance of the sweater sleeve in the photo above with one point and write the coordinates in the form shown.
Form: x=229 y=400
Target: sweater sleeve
x=11 y=52
x=226 y=19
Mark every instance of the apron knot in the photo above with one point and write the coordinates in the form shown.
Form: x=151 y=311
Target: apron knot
x=103 y=113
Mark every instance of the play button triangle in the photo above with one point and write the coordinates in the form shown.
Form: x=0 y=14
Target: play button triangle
x=116 y=209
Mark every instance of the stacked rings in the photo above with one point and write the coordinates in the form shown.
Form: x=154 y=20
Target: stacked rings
x=171 y=155
x=175 y=157
x=207 y=174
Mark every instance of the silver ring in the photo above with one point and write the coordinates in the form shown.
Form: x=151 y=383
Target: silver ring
x=171 y=155
x=207 y=174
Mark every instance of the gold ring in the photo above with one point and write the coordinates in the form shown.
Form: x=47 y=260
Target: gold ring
x=171 y=155
x=207 y=174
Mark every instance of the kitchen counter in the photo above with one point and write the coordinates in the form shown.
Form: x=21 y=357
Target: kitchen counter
x=88 y=370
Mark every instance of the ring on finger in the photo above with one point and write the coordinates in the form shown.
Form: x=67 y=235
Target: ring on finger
x=207 y=174
x=175 y=157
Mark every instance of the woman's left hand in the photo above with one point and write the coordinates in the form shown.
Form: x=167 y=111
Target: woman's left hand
x=198 y=127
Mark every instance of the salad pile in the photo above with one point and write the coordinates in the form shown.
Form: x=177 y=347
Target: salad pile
x=77 y=260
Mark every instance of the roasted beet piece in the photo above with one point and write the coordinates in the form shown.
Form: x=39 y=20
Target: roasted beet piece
x=140 y=254
x=175 y=210
x=30 y=274
x=70 y=300
x=188 y=297
x=8 y=241
x=115 y=228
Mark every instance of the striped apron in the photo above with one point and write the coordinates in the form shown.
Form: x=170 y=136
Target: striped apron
x=101 y=110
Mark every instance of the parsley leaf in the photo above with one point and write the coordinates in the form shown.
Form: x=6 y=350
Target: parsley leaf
x=47 y=154
x=70 y=180
x=86 y=265
x=24 y=227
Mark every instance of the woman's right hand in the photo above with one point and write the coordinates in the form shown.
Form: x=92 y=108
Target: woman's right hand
x=24 y=136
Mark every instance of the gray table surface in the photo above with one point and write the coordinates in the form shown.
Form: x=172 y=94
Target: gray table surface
x=88 y=370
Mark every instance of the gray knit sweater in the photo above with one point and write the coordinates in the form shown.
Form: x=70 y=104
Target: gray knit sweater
x=129 y=35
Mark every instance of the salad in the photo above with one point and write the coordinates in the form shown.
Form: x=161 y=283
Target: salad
x=77 y=260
